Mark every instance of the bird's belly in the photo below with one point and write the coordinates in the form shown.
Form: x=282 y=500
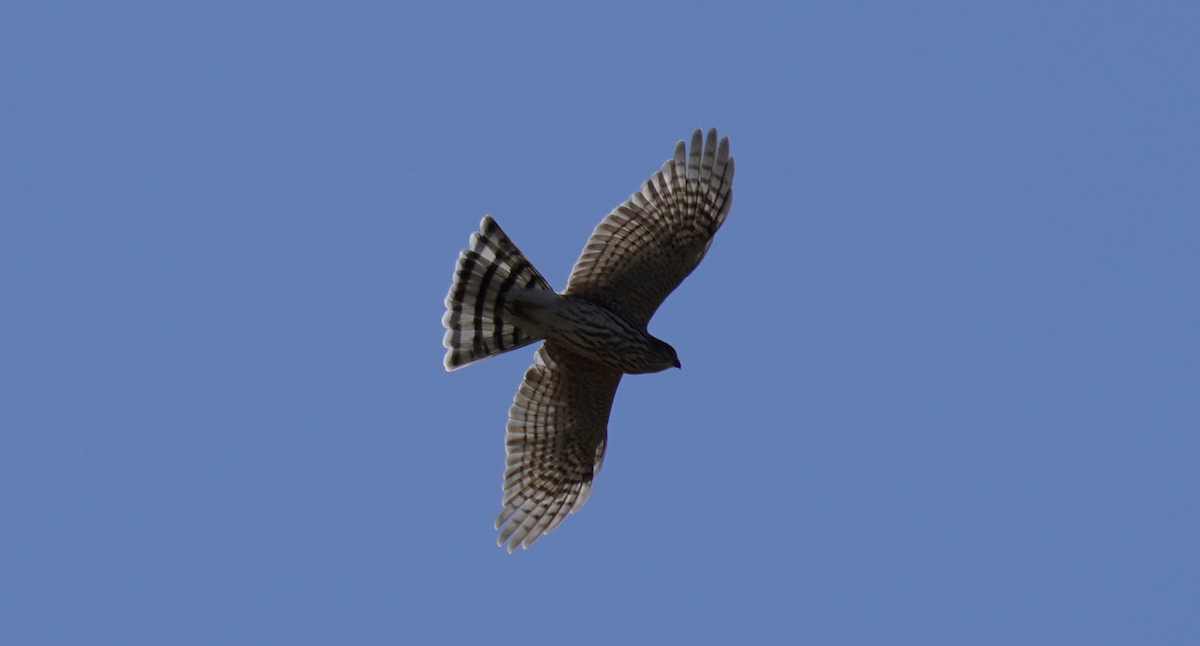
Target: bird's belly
x=583 y=328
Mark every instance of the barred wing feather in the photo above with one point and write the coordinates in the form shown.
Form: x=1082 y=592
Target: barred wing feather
x=645 y=247
x=555 y=439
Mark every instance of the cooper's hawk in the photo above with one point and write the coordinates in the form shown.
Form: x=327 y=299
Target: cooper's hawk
x=594 y=331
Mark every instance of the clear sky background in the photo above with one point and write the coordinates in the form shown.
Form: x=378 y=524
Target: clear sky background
x=941 y=376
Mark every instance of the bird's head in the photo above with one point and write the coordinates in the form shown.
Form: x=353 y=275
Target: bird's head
x=664 y=355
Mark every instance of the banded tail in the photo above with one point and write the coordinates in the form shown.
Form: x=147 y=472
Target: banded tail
x=477 y=324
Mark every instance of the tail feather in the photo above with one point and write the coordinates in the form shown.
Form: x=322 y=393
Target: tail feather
x=477 y=324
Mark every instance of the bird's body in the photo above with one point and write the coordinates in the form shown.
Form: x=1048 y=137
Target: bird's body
x=590 y=331
x=594 y=331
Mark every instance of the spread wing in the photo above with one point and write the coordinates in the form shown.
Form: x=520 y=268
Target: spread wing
x=557 y=428
x=641 y=251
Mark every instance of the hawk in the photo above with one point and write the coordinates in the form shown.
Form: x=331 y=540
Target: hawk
x=594 y=331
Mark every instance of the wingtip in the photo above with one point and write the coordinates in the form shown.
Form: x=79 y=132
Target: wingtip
x=710 y=144
x=511 y=547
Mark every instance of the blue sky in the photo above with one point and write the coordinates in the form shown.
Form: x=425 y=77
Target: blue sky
x=941 y=378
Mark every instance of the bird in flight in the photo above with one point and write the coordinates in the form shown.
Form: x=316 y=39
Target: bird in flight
x=594 y=330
